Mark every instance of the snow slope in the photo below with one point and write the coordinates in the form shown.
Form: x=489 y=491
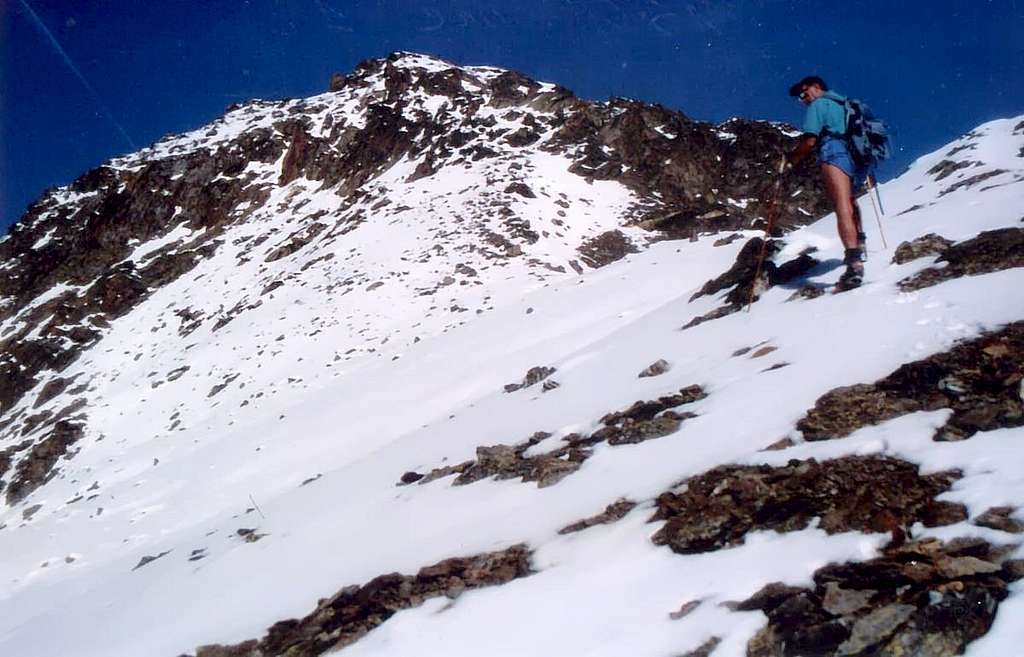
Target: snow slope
x=352 y=386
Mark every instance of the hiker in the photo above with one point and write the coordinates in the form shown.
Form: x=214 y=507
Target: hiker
x=824 y=130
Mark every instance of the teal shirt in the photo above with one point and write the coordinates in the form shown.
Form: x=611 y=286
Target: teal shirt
x=824 y=113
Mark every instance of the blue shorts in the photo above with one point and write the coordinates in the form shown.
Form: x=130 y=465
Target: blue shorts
x=835 y=152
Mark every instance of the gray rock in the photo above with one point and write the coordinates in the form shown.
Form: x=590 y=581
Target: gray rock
x=656 y=368
x=842 y=602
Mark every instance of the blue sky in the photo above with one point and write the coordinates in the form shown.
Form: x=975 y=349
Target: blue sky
x=104 y=77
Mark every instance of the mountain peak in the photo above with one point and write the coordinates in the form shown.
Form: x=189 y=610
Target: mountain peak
x=412 y=317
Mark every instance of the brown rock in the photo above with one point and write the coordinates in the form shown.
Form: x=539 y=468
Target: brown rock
x=657 y=368
x=533 y=375
x=685 y=610
x=981 y=387
x=930 y=244
x=353 y=611
x=36 y=467
x=606 y=248
x=612 y=513
x=1001 y=518
x=990 y=251
x=705 y=649
x=898 y=604
x=719 y=507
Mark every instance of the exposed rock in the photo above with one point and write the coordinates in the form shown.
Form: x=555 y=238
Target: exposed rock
x=972 y=181
x=839 y=601
x=727 y=240
x=741 y=275
x=177 y=372
x=750 y=265
x=870 y=494
x=613 y=512
x=717 y=313
x=685 y=610
x=906 y=602
x=521 y=189
x=218 y=388
x=705 y=649
x=149 y=559
x=31 y=511
x=1001 y=518
x=657 y=368
x=990 y=251
x=978 y=379
x=296 y=241
x=779 y=445
x=249 y=534
x=533 y=375
x=606 y=248
x=349 y=614
x=507 y=462
x=36 y=467
x=926 y=245
x=646 y=410
x=119 y=208
x=465 y=270
x=947 y=167
x=644 y=420
x=52 y=388
x=411 y=477
x=632 y=431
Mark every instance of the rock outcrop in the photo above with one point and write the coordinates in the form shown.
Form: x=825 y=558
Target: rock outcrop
x=923 y=598
x=353 y=611
x=644 y=420
x=990 y=251
x=979 y=380
x=869 y=494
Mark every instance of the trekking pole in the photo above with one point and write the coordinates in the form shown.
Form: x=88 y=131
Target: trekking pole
x=772 y=205
x=878 y=217
x=877 y=194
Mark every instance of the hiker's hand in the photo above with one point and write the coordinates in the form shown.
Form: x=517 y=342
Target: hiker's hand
x=786 y=165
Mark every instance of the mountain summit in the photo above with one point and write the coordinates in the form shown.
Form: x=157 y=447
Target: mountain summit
x=411 y=169
x=447 y=351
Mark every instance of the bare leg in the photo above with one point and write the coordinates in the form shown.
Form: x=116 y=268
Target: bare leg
x=840 y=191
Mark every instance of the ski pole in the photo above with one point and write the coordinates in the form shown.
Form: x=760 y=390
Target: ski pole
x=878 y=217
x=772 y=205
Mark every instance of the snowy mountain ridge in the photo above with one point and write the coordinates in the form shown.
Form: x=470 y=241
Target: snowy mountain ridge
x=297 y=345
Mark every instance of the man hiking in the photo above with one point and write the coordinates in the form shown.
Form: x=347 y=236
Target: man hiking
x=824 y=130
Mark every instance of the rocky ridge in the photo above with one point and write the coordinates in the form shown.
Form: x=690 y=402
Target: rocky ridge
x=279 y=188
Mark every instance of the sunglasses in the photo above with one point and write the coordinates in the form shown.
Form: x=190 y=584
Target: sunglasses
x=803 y=97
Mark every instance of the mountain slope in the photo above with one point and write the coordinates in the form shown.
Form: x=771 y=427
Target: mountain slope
x=227 y=429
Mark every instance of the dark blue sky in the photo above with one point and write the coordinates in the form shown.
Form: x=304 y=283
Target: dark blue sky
x=127 y=72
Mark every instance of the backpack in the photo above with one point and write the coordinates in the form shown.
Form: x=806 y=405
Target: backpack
x=867 y=136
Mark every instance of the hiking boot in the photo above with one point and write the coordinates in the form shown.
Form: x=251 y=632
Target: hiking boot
x=854 y=274
x=862 y=245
